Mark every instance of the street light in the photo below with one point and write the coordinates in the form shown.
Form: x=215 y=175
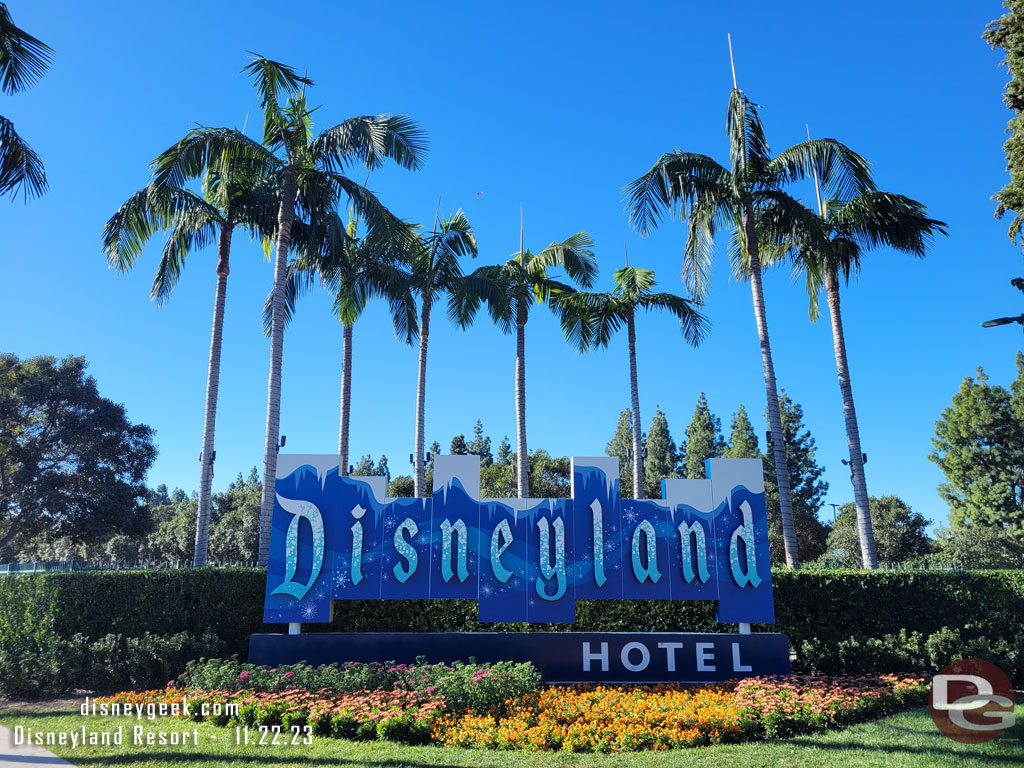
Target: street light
x=1003 y=321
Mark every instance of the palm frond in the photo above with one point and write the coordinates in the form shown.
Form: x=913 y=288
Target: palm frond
x=148 y=211
x=693 y=323
x=189 y=234
x=677 y=178
x=20 y=166
x=572 y=254
x=23 y=58
x=273 y=80
x=841 y=172
x=748 y=148
x=203 y=149
x=371 y=140
x=477 y=288
x=885 y=219
x=589 y=319
x=381 y=224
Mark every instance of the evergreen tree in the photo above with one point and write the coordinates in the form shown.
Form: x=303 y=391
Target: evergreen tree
x=1007 y=32
x=979 y=446
x=742 y=438
x=505 y=453
x=621 y=446
x=364 y=467
x=660 y=461
x=458 y=446
x=481 y=445
x=703 y=439
x=807 y=488
x=382 y=469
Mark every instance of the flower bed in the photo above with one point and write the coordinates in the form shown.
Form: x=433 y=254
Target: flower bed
x=601 y=719
x=625 y=718
x=581 y=718
x=783 y=706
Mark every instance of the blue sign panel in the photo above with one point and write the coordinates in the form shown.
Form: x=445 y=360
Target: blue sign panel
x=561 y=657
x=336 y=537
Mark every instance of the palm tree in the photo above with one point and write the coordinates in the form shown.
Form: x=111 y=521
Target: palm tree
x=591 y=320
x=194 y=222
x=309 y=172
x=436 y=272
x=869 y=220
x=23 y=60
x=523 y=281
x=353 y=272
x=749 y=197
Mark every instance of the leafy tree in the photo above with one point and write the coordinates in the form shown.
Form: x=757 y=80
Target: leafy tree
x=899 y=531
x=742 y=438
x=71 y=463
x=309 y=172
x=233 y=197
x=522 y=282
x=550 y=476
x=703 y=439
x=174 y=538
x=804 y=478
x=621 y=447
x=235 y=536
x=980 y=546
x=591 y=319
x=23 y=60
x=498 y=481
x=660 y=461
x=1007 y=32
x=401 y=486
x=748 y=197
x=979 y=446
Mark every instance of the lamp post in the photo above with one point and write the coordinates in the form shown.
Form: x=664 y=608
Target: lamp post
x=1004 y=321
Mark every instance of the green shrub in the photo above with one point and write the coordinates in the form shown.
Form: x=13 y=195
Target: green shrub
x=908 y=652
x=481 y=687
x=291 y=720
x=48 y=621
x=366 y=730
x=344 y=726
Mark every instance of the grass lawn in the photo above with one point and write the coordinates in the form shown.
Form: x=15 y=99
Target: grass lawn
x=907 y=739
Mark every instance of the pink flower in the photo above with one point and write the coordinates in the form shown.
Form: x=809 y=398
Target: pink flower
x=287 y=674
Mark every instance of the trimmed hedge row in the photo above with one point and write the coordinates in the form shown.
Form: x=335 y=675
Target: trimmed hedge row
x=824 y=607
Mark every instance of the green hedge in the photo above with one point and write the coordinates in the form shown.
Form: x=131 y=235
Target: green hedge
x=824 y=608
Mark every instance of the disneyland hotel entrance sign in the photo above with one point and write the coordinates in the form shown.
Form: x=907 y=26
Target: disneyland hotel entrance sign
x=525 y=560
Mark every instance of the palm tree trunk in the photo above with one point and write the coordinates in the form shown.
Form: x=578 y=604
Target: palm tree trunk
x=212 y=386
x=285 y=216
x=522 y=457
x=346 y=400
x=860 y=487
x=419 y=479
x=634 y=393
x=771 y=389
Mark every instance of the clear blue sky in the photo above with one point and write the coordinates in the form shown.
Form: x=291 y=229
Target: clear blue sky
x=555 y=107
